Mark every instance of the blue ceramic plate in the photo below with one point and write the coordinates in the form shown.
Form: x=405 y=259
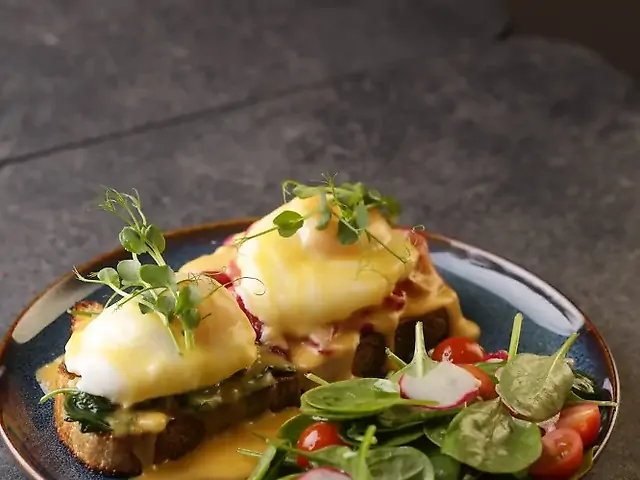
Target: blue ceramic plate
x=491 y=289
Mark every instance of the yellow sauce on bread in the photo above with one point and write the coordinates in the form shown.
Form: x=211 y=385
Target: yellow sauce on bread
x=217 y=458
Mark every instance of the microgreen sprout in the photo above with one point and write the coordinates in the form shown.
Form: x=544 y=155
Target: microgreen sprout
x=155 y=287
x=349 y=203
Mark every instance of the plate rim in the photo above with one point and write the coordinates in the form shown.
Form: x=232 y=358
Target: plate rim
x=244 y=222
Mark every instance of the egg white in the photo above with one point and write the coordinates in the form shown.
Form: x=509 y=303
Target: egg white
x=129 y=357
x=310 y=279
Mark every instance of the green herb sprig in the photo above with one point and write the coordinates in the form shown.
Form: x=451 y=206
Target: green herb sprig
x=353 y=202
x=155 y=287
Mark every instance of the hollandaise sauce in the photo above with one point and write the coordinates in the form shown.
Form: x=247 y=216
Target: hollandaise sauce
x=48 y=374
x=217 y=458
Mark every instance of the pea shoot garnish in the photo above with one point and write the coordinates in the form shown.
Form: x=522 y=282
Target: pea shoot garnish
x=349 y=203
x=155 y=287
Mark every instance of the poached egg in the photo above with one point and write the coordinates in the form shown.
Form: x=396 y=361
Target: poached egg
x=312 y=296
x=310 y=279
x=128 y=357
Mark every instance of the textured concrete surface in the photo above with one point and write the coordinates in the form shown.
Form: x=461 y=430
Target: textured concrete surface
x=527 y=148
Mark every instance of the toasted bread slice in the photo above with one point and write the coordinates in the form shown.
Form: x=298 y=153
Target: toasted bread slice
x=370 y=359
x=126 y=456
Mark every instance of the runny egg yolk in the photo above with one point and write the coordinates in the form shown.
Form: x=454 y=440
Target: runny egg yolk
x=129 y=357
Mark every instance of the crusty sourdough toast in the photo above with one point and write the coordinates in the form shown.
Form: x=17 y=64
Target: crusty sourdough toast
x=370 y=358
x=127 y=455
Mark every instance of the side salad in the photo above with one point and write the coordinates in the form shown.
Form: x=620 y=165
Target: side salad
x=454 y=414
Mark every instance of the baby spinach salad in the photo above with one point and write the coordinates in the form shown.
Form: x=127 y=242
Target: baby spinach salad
x=510 y=415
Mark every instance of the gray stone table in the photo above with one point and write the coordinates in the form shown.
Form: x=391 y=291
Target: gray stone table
x=528 y=148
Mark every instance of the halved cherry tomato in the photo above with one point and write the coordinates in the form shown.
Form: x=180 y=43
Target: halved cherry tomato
x=316 y=436
x=584 y=419
x=561 y=455
x=458 y=350
x=487 y=387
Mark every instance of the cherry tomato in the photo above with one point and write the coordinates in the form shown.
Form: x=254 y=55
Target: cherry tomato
x=458 y=350
x=487 y=387
x=561 y=455
x=316 y=436
x=584 y=419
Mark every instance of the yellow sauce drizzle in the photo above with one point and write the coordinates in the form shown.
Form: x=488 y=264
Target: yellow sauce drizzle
x=217 y=458
x=47 y=376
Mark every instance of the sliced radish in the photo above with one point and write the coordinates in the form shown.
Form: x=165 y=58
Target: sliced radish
x=550 y=424
x=498 y=356
x=324 y=473
x=448 y=384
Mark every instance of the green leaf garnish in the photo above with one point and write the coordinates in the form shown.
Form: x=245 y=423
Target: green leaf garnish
x=153 y=286
x=349 y=203
x=288 y=223
x=109 y=276
x=129 y=271
x=155 y=236
x=132 y=241
x=188 y=297
x=158 y=276
x=166 y=304
x=347 y=235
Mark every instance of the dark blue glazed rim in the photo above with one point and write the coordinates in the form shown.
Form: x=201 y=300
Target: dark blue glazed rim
x=491 y=290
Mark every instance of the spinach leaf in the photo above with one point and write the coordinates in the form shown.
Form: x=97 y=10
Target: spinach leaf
x=472 y=475
x=445 y=467
x=328 y=416
x=402 y=437
x=340 y=457
x=436 y=431
x=403 y=416
x=354 y=433
x=355 y=398
x=587 y=464
x=268 y=465
x=585 y=390
x=421 y=363
x=400 y=463
x=361 y=395
x=485 y=437
x=360 y=469
x=490 y=368
x=292 y=428
x=585 y=386
x=90 y=411
x=515 y=336
x=536 y=387
x=574 y=399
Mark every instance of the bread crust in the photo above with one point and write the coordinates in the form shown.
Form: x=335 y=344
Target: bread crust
x=126 y=456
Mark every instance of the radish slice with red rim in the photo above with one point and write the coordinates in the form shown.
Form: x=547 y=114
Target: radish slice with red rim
x=447 y=383
x=323 y=473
